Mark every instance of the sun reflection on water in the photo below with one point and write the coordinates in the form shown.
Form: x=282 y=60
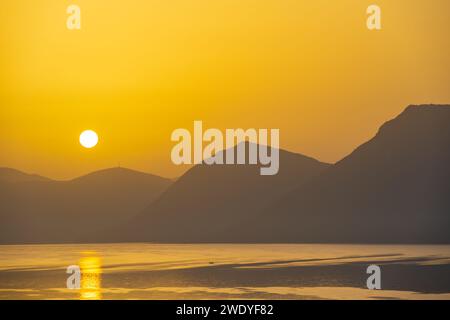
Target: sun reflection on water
x=91 y=279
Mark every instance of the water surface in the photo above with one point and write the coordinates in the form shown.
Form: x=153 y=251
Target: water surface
x=224 y=271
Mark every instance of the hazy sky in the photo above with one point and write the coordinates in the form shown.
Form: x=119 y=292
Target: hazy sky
x=137 y=70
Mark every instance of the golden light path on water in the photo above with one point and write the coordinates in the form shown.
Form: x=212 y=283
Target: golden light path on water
x=91 y=276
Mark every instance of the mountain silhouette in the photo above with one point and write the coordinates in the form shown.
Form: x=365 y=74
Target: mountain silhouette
x=393 y=189
x=35 y=209
x=210 y=201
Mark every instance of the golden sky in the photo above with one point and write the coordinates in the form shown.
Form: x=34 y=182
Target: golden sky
x=137 y=70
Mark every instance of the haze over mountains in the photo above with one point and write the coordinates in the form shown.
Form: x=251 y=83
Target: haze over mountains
x=394 y=188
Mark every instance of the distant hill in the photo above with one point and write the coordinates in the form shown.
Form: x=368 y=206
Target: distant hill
x=8 y=175
x=211 y=202
x=35 y=209
x=393 y=189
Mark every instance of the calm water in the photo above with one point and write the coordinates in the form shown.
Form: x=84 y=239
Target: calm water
x=224 y=271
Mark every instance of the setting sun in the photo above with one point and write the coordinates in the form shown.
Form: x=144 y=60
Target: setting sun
x=88 y=139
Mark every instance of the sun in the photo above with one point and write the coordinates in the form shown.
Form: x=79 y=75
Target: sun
x=88 y=139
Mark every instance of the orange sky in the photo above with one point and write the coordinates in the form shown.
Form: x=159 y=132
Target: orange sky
x=137 y=70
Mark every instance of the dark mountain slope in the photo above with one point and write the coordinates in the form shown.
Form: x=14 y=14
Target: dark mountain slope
x=210 y=203
x=394 y=188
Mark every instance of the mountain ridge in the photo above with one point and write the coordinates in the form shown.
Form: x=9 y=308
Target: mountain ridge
x=77 y=210
x=403 y=171
x=14 y=175
x=393 y=188
x=223 y=190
